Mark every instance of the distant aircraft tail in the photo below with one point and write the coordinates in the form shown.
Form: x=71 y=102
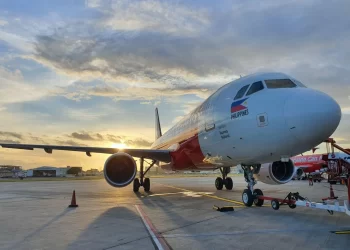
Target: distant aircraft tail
x=158 y=128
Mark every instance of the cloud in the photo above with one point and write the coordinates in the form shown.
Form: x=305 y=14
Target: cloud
x=11 y=134
x=150 y=93
x=146 y=45
x=101 y=137
x=74 y=139
x=3 y=22
x=114 y=138
x=16 y=41
x=14 y=88
x=9 y=141
x=70 y=143
x=163 y=16
x=138 y=142
x=80 y=91
x=85 y=136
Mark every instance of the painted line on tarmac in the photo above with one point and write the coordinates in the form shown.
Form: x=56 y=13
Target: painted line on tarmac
x=157 y=239
x=240 y=232
x=341 y=232
x=206 y=195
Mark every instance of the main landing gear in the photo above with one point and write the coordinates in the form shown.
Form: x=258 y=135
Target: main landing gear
x=227 y=181
x=249 y=195
x=144 y=182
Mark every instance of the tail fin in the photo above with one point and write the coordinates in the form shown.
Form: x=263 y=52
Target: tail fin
x=158 y=128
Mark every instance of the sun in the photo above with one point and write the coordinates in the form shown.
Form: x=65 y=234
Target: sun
x=119 y=145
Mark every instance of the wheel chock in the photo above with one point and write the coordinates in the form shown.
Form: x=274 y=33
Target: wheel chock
x=223 y=209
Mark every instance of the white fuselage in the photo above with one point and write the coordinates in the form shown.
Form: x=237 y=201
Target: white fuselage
x=265 y=126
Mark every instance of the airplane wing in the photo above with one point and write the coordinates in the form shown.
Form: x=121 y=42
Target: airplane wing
x=154 y=154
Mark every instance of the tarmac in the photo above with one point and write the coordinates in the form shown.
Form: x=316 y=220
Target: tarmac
x=176 y=214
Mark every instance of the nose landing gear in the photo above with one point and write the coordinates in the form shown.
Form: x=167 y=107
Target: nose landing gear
x=220 y=182
x=249 y=194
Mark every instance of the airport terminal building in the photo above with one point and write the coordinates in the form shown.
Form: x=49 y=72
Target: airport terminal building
x=9 y=171
x=48 y=171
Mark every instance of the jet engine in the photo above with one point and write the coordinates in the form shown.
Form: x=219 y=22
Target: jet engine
x=120 y=169
x=276 y=173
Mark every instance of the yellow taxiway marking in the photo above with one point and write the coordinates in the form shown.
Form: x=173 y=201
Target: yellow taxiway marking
x=211 y=196
x=342 y=232
x=206 y=195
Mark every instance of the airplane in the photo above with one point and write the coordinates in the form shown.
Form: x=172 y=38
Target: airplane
x=315 y=164
x=340 y=155
x=308 y=164
x=258 y=121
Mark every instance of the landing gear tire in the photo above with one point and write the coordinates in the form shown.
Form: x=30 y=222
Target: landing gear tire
x=228 y=183
x=219 y=183
x=136 y=185
x=147 y=185
x=275 y=204
x=247 y=198
x=258 y=202
x=292 y=206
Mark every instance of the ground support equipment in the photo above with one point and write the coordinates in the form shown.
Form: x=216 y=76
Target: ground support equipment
x=293 y=200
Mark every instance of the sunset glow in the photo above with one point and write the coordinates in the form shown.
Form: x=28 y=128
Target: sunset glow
x=119 y=145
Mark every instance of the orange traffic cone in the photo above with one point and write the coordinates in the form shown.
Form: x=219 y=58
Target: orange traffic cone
x=73 y=202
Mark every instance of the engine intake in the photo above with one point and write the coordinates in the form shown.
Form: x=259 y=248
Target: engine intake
x=276 y=173
x=120 y=169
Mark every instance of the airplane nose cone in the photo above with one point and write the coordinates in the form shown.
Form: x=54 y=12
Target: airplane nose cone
x=311 y=116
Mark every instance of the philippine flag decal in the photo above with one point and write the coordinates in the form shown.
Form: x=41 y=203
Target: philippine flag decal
x=239 y=108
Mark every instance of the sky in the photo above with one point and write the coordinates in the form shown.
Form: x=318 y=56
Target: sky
x=91 y=72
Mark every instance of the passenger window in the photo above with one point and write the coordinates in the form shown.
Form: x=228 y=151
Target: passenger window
x=257 y=86
x=241 y=92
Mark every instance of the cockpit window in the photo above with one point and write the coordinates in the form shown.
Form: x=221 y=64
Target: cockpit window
x=257 y=86
x=241 y=92
x=298 y=83
x=280 y=83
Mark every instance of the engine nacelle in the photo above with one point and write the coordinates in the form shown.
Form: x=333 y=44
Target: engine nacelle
x=276 y=173
x=120 y=169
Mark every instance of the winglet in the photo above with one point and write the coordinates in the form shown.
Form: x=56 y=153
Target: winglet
x=158 y=128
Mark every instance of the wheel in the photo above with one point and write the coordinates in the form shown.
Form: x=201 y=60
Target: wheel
x=275 y=204
x=147 y=184
x=319 y=180
x=292 y=206
x=258 y=202
x=247 y=198
x=219 y=183
x=228 y=183
x=136 y=185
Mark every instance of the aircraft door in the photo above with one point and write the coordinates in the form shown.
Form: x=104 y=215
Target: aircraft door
x=209 y=137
